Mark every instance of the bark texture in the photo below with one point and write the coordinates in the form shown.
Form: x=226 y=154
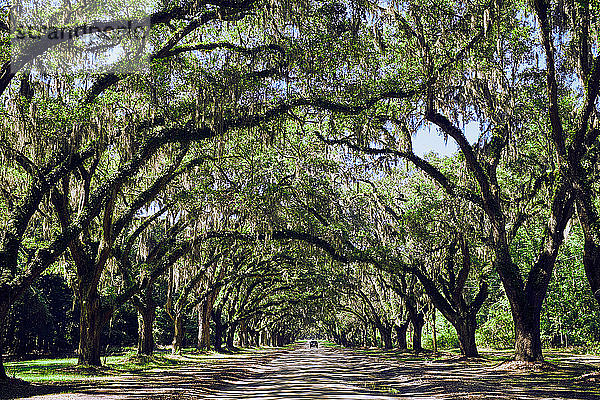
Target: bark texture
x=92 y=319
x=401 y=329
x=146 y=317
x=177 y=334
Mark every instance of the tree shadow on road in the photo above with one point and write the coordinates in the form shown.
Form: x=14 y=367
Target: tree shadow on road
x=334 y=373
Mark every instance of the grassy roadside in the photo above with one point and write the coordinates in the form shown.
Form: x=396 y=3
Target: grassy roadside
x=572 y=358
x=66 y=369
x=62 y=370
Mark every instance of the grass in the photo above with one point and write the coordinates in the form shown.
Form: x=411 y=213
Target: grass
x=44 y=370
x=66 y=369
x=329 y=344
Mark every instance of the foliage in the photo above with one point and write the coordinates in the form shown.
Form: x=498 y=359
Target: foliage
x=43 y=321
x=259 y=183
x=497 y=331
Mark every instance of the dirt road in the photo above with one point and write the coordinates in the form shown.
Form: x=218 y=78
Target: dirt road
x=328 y=373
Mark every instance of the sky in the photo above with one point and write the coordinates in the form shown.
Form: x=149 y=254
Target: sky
x=430 y=139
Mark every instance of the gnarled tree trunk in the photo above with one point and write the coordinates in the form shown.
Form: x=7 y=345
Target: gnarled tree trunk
x=92 y=319
x=146 y=317
x=178 y=333
x=386 y=336
x=219 y=330
x=528 y=344
x=526 y=308
x=465 y=330
x=204 y=314
x=146 y=308
x=417 y=322
x=401 y=334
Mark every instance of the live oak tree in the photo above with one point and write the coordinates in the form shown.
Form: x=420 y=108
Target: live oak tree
x=64 y=156
x=442 y=238
x=93 y=250
x=526 y=297
x=382 y=306
x=184 y=280
x=261 y=91
x=157 y=253
x=71 y=148
x=448 y=295
x=479 y=65
x=572 y=75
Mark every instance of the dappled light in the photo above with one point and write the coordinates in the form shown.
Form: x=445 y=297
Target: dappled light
x=301 y=372
x=241 y=199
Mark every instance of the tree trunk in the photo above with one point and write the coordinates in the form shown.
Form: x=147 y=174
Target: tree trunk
x=417 y=323
x=178 y=334
x=4 y=307
x=91 y=321
x=401 y=335
x=253 y=337
x=146 y=317
x=591 y=264
x=3 y=375
x=528 y=344
x=526 y=298
x=204 y=326
x=465 y=330
x=526 y=309
x=375 y=339
x=243 y=342
x=146 y=308
x=435 y=349
x=231 y=336
x=218 y=334
x=386 y=337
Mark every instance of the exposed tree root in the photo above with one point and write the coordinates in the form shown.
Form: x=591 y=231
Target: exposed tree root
x=592 y=377
x=533 y=366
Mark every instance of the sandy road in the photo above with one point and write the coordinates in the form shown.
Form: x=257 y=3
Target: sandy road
x=308 y=374
x=329 y=373
x=301 y=373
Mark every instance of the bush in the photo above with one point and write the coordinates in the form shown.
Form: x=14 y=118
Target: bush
x=446 y=336
x=497 y=332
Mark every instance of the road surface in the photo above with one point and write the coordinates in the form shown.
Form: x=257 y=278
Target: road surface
x=308 y=373
x=328 y=373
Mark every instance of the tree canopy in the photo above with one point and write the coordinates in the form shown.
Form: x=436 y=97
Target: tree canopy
x=255 y=181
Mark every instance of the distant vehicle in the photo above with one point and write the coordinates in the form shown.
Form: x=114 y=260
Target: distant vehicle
x=314 y=343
